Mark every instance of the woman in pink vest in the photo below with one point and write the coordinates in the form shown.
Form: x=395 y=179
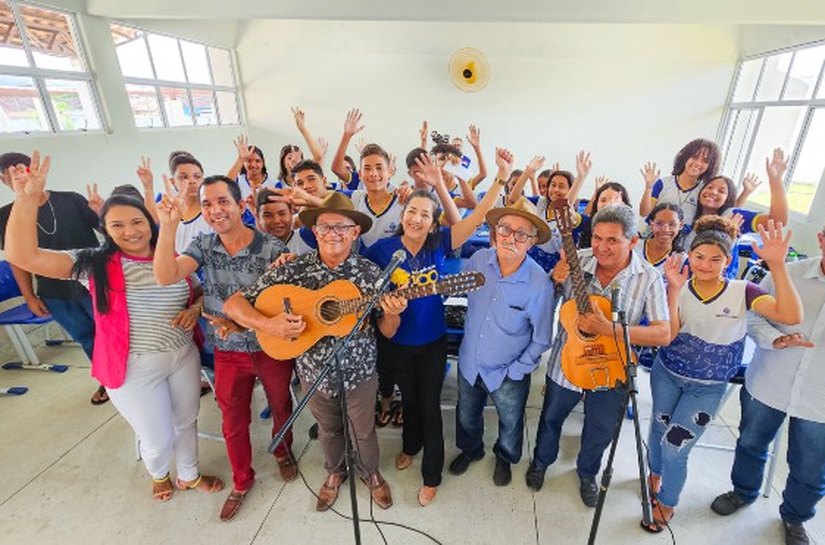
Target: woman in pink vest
x=143 y=350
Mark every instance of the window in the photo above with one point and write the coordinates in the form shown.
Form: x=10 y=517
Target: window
x=173 y=82
x=778 y=100
x=45 y=85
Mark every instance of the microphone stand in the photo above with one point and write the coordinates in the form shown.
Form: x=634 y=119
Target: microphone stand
x=630 y=393
x=333 y=361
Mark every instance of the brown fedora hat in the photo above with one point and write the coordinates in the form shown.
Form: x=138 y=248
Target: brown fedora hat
x=337 y=203
x=526 y=210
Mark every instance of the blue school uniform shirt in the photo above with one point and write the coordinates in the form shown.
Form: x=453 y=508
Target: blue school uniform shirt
x=423 y=320
x=547 y=254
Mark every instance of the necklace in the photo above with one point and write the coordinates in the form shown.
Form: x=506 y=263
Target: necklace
x=54 y=220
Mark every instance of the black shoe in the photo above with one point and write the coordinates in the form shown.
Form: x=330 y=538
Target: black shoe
x=728 y=503
x=535 y=477
x=795 y=534
x=460 y=464
x=502 y=474
x=589 y=491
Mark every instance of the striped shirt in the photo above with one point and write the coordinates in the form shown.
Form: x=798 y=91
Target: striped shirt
x=642 y=294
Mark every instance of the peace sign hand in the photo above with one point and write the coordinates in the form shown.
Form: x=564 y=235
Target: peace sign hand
x=30 y=182
x=94 y=199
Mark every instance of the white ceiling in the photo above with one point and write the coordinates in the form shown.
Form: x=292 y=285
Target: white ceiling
x=773 y=12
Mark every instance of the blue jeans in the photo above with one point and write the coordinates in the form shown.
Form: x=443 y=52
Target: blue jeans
x=510 y=400
x=76 y=317
x=682 y=409
x=601 y=414
x=806 y=458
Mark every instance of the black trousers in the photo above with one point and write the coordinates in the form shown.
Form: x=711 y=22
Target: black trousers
x=419 y=372
x=386 y=372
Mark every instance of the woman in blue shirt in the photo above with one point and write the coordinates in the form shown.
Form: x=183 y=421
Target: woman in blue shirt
x=418 y=350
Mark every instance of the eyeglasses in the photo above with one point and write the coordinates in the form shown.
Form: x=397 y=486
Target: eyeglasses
x=339 y=228
x=662 y=224
x=506 y=231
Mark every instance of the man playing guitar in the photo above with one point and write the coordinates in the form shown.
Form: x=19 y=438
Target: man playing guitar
x=609 y=264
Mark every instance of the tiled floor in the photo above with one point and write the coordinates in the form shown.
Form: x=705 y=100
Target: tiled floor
x=70 y=476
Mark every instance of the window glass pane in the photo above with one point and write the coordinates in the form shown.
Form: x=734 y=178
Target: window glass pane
x=145 y=107
x=197 y=65
x=228 y=108
x=11 y=46
x=204 y=105
x=20 y=106
x=73 y=103
x=177 y=106
x=221 y=67
x=807 y=64
x=740 y=129
x=808 y=171
x=779 y=128
x=166 y=57
x=50 y=38
x=132 y=52
x=748 y=76
x=773 y=76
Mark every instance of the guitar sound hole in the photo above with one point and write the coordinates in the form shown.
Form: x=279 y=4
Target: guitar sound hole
x=330 y=311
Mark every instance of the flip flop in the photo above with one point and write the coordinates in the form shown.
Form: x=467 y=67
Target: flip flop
x=100 y=396
x=204 y=483
x=653 y=528
x=383 y=417
x=397 y=411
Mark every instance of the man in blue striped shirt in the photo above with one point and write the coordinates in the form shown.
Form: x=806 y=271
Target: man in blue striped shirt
x=609 y=263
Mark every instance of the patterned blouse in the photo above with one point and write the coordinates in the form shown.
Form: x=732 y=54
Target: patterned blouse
x=308 y=271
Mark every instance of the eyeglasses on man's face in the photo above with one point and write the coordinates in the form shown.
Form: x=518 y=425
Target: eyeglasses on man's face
x=340 y=229
x=520 y=236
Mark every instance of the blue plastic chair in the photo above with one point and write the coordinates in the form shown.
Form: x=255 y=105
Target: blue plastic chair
x=15 y=317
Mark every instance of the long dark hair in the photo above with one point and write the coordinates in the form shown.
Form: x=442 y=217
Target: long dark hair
x=92 y=262
x=615 y=186
x=679 y=240
x=433 y=239
x=257 y=151
x=729 y=202
x=286 y=150
x=694 y=148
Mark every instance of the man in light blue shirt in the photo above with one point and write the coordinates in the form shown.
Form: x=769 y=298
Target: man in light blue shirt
x=507 y=328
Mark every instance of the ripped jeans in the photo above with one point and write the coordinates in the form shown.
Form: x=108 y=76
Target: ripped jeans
x=682 y=409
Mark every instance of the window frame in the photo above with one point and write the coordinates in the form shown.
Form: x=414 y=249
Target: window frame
x=40 y=75
x=733 y=108
x=157 y=84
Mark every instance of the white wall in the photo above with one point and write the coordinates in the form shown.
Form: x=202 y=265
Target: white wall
x=111 y=158
x=629 y=93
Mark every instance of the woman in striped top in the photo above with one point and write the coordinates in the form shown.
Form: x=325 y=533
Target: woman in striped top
x=143 y=353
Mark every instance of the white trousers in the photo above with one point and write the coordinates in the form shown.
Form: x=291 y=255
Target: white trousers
x=160 y=399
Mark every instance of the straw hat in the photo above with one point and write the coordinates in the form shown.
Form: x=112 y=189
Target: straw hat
x=337 y=203
x=526 y=210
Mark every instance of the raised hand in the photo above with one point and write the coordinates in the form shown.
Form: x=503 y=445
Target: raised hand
x=352 y=125
x=299 y=116
x=750 y=183
x=245 y=151
x=30 y=181
x=144 y=173
x=504 y=162
x=423 y=133
x=535 y=164
x=474 y=136
x=676 y=271
x=360 y=145
x=601 y=180
x=738 y=220
x=170 y=207
x=391 y=168
x=583 y=164
x=776 y=165
x=429 y=172
x=323 y=145
x=774 y=246
x=403 y=192
x=94 y=198
x=650 y=173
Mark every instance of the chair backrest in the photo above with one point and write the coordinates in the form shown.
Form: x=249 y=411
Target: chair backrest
x=8 y=285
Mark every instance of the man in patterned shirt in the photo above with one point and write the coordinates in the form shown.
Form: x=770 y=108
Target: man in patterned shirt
x=336 y=225
x=608 y=264
x=231 y=257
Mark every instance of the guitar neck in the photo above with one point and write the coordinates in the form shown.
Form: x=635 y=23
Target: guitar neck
x=576 y=274
x=351 y=306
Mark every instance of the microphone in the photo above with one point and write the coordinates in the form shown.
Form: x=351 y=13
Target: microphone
x=397 y=258
x=615 y=306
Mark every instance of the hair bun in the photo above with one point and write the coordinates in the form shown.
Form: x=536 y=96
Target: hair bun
x=716 y=223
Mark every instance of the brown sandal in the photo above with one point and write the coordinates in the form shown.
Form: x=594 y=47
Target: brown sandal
x=204 y=483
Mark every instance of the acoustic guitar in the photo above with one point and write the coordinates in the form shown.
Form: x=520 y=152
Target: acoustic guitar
x=334 y=309
x=591 y=362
